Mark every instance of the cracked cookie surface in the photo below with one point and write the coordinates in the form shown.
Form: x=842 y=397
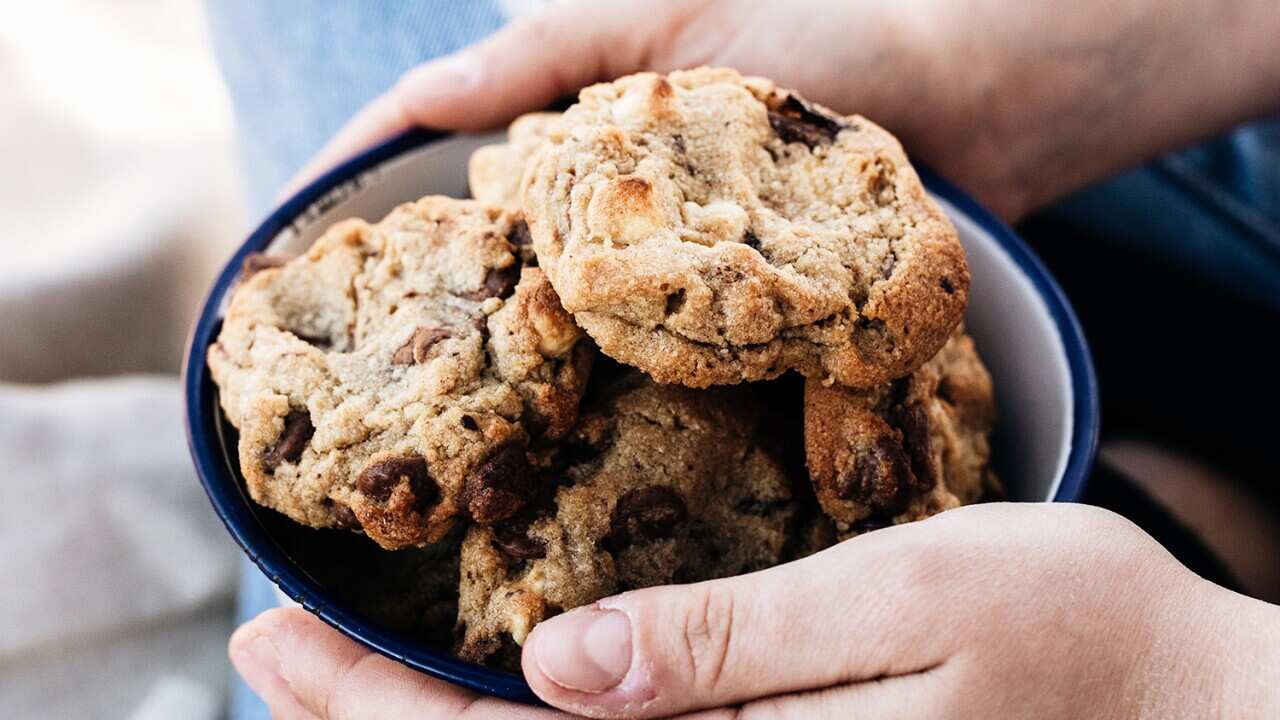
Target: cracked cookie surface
x=906 y=450
x=393 y=378
x=659 y=484
x=710 y=228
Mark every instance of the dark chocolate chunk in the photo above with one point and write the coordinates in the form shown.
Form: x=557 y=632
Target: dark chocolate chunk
x=500 y=485
x=293 y=440
x=415 y=351
x=513 y=540
x=797 y=121
x=344 y=517
x=913 y=422
x=379 y=479
x=879 y=478
x=498 y=282
x=646 y=514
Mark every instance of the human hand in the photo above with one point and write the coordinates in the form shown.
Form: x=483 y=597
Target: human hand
x=985 y=611
x=1019 y=103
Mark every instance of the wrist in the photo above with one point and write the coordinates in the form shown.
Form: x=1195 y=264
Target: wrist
x=1247 y=662
x=1043 y=101
x=1225 y=662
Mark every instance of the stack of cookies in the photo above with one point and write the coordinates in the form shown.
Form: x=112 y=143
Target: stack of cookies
x=588 y=379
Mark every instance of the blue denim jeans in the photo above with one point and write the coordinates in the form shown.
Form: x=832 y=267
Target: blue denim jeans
x=1174 y=267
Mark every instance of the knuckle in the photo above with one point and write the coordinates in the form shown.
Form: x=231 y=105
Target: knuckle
x=707 y=632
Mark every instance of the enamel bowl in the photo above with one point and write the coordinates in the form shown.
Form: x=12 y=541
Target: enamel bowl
x=1023 y=325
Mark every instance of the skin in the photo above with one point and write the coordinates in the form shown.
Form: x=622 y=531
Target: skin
x=977 y=612
x=1001 y=610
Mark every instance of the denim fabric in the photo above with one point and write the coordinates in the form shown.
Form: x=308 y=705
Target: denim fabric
x=1175 y=267
x=1213 y=210
x=297 y=69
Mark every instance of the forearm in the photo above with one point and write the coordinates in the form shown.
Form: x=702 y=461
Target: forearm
x=1056 y=98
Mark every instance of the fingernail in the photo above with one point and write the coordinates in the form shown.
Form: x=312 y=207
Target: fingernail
x=585 y=650
x=258 y=663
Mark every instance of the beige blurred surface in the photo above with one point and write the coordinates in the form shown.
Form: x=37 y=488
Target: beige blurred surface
x=118 y=200
x=120 y=191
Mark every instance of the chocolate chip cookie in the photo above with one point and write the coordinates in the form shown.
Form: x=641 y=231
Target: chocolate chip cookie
x=710 y=228
x=660 y=484
x=906 y=450
x=494 y=171
x=395 y=377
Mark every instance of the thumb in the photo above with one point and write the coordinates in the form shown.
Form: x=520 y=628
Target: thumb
x=850 y=613
x=525 y=66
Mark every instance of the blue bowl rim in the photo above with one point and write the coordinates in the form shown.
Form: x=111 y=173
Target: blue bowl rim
x=224 y=493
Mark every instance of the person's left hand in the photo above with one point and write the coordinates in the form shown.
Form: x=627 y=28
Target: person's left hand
x=985 y=611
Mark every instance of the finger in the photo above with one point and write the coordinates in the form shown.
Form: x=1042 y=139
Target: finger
x=256 y=663
x=873 y=607
x=525 y=66
x=916 y=695
x=298 y=664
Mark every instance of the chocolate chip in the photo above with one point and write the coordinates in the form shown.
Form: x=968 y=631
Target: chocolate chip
x=797 y=121
x=513 y=540
x=913 y=422
x=519 y=235
x=469 y=423
x=379 y=479
x=881 y=186
x=646 y=514
x=293 y=440
x=255 y=263
x=415 y=351
x=675 y=302
x=498 y=282
x=947 y=287
x=344 y=517
x=879 y=478
x=500 y=485
x=887 y=265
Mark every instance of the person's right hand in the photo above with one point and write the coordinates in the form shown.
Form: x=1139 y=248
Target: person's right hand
x=996 y=611
x=1019 y=103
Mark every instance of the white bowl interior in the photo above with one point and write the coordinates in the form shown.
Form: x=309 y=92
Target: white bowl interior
x=1008 y=319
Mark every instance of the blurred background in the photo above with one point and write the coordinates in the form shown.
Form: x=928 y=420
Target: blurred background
x=120 y=196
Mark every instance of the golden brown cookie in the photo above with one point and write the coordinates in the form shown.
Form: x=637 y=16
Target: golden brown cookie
x=710 y=228
x=905 y=450
x=392 y=378
x=661 y=484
